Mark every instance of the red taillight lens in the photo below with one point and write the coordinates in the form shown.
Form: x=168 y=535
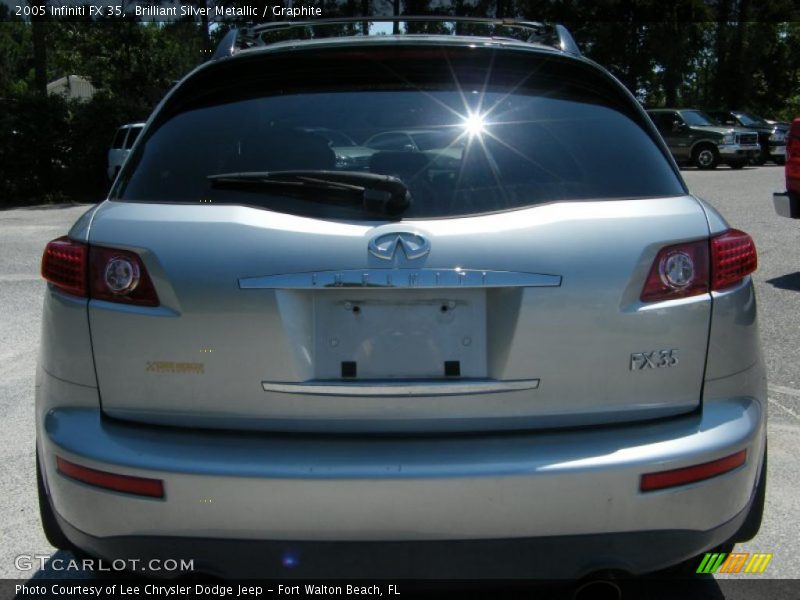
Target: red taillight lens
x=140 y=486
x=666 y=479
x=120 y=276
x=685 y=269
x=733 y=257
x=98 y=272
x=64 y=265
x=677 y=272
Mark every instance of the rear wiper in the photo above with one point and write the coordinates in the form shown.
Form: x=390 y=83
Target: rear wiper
x=375 y=193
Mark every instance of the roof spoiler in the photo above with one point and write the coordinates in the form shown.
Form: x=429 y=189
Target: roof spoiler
x=547 y=34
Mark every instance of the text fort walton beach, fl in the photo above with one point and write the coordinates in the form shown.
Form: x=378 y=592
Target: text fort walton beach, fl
x=203 y=590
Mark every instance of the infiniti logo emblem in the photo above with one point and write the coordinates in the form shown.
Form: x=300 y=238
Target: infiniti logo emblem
x=386 y=246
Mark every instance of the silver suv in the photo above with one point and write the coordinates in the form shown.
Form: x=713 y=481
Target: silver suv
x=531 y=342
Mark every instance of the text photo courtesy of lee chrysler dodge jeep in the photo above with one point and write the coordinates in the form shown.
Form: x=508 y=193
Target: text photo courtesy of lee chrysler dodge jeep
x=695 y=138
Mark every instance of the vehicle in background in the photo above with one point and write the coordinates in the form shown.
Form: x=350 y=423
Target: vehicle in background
x=695 y=138
x=349 y=154
x=121 y=146
x=411 y=140
x=771 y=138
x=784 y=124
x=787 y=204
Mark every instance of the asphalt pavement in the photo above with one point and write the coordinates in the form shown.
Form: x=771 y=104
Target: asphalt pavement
x=744 y=198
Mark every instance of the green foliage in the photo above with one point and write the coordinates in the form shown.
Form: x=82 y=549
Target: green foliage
x=54 y=148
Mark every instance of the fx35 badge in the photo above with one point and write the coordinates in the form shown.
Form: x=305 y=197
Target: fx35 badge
x=657 y=359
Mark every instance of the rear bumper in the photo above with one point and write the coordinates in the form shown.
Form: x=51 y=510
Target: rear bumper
x=777 y=149
x=787 y=204
x=555 y=557
x=539 y=491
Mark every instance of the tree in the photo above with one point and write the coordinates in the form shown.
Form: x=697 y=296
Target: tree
x=39 y=37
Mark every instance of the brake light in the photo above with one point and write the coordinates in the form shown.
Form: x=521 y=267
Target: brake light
x=64 y=265
x=98 y=272
x=667 y=479
x=733 y=257
x=685 y=269
x=140 y=486
x=677 y=272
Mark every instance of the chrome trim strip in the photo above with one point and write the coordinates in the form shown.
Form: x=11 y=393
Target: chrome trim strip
x=400 y=278
x=375 y=387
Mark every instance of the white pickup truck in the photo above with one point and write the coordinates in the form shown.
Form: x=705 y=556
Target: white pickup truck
x=121 y=146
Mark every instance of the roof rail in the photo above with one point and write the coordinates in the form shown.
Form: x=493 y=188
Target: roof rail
x=547 y=34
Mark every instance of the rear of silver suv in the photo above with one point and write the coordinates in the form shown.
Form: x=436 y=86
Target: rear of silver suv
x=531 y=341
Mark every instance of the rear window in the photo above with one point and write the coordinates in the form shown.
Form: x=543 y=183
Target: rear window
x=469 y=130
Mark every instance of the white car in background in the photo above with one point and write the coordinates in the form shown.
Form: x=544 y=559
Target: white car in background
x=121 y=146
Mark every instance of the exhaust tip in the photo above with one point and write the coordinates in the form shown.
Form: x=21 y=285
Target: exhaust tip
x=598 y=589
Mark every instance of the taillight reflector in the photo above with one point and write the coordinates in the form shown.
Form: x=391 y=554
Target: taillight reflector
x=733 y=257
x=667 y=479
x=140 y=486
x=64 y=265
x=87 y=271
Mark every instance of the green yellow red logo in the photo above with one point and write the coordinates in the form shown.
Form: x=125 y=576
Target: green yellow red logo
x=735 y=562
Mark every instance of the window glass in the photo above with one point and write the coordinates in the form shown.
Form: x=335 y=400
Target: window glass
x=488 y=135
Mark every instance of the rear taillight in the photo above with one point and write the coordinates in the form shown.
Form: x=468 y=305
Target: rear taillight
x=677 y=272
x=64 y=264
x=698 y=267
x=120 y=276
x=733 y=257
x=98 y=272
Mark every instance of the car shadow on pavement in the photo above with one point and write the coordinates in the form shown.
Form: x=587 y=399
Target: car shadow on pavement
x=790 y=281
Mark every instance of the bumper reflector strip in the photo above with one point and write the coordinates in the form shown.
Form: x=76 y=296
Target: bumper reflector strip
x=140 y=486
x=667 y=479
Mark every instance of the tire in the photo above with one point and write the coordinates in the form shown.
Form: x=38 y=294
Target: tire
x=705 y=157
x=780 y=160
x=737 y=164
x=52 y=531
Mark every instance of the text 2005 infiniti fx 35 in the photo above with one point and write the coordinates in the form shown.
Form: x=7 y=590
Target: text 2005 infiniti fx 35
x=521 y=349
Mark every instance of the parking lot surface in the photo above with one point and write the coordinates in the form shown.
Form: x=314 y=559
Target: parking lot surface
x=744 y=198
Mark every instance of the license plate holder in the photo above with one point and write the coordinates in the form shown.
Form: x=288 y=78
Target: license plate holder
x=400 y=334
